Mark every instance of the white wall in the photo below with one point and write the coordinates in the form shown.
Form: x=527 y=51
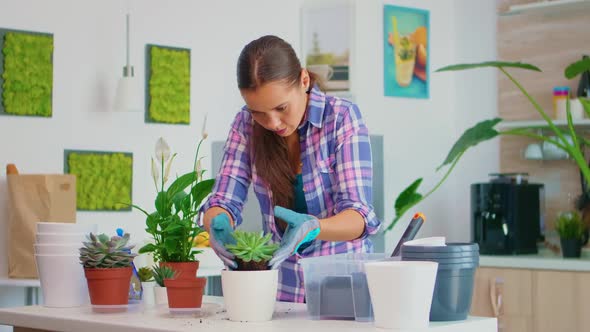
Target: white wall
x=419 y=133
x=89 y=55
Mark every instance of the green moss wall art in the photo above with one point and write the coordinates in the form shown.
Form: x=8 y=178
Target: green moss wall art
x=168 y=85
x=26 y=73
x=103 y=179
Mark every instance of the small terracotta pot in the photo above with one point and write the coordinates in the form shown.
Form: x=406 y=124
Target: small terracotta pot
x=185 y=293
x=108 y=286
x=183 y=270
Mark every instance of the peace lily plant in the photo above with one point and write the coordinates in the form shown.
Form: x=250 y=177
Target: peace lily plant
x=172 y=226
x=485 y=130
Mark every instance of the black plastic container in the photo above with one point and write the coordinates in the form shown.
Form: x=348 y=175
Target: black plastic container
x=453 y=288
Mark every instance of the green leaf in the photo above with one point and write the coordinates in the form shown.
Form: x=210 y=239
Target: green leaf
x=152 y=223
x=177 y=200
x=481 y=132
x=201 y=190
x=586 y=104
x=408 y=198
x=577 y=68
x=172 y=245
x=494 y=64
x=163 y=204
x=150 y=247
x=181 y=183
x=173 y=227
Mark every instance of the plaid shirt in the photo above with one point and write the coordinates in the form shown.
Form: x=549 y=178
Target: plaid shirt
x=337 y=175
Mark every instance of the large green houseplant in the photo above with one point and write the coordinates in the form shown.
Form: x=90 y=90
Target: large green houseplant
x=172 y=225
x=485 y=130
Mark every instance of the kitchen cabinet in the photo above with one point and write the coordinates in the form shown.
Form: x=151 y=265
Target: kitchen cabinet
x=533 y=300
x=505 y=294
x=561 y=301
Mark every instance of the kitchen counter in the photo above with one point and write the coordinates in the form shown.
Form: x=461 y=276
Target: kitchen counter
x=212 y=317
x=544 y=260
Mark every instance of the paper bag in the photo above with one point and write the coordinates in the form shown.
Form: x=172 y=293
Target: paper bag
x=31 y=199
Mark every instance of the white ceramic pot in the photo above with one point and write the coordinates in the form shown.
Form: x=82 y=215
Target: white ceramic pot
x=250 y=296
x=62 y=281
x=65 y=227
x=401 y=293
x=57 y=249
x=160 y=295
x=148 y=294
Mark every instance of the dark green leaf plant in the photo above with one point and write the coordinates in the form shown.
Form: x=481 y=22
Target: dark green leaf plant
x=485 y=130
x=172 y=225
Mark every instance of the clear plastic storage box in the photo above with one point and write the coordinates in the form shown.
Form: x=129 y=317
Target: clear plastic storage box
x=336 y=286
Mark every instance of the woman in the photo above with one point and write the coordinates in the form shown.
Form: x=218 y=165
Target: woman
x=309 y=158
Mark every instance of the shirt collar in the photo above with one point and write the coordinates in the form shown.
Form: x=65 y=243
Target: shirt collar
x=315 y=107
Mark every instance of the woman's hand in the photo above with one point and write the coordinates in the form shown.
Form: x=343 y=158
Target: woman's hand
x=302 y=229
x=220 y=235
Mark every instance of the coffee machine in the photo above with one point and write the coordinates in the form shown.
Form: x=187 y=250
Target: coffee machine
x=507 y=214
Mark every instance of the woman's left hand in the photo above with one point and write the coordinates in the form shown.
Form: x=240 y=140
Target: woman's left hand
x=302 y=229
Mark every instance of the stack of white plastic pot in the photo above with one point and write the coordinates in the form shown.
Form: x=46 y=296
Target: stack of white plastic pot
x=57 y=255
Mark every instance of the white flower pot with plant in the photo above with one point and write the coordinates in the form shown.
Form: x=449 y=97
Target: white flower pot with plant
x=160 y=274
x=147 y=285
x=250 y=291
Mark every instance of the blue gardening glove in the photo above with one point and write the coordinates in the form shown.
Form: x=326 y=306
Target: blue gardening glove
x=220 y=236
x=302 y=229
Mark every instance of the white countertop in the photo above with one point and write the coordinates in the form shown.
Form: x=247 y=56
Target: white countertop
x=212 y=317
x=545 y=260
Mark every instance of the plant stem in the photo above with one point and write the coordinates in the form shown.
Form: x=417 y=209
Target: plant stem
x=539 y=110
x=525 y=133
x=445 y=176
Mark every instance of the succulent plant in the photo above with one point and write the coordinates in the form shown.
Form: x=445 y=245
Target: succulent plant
x=145 y=274
x=252 y=247
x=161 y=273
x=102 y=252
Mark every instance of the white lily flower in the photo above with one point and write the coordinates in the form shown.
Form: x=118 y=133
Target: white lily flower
x=199 y=169
x=167 y=169
x=155 y=172
x=162 y=150
x=204 y=133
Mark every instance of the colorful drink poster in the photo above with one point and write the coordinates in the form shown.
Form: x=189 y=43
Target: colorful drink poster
x=405 y=52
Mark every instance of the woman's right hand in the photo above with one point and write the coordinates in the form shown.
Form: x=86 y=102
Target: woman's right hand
x=220 y=235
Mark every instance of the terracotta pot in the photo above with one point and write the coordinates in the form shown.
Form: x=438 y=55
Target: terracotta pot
x=108 y=286
x=184 y=270
x=185 y=293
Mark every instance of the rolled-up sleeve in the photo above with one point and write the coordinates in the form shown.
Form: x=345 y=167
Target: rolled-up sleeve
x=354 y=169
x=234 y=176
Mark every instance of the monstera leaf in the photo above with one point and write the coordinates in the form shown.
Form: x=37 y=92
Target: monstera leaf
x=405 y=201
x=493 y=64
x=481 y=132
x=577 y=68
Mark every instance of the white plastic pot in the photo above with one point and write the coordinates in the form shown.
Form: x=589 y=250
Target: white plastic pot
x=64 y=227
x=149 y=295
x=56 y=249
x=161 y=295
x=250 y=296
x=62 y=281
x=61 y=238
x=401 y=293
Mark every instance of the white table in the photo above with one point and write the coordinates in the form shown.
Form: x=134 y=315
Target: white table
x=212 y=317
